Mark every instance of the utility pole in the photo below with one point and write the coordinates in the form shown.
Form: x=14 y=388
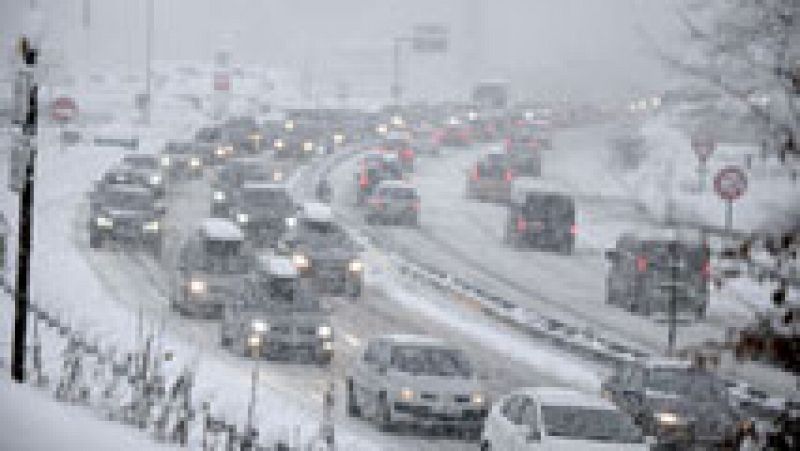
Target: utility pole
x=396 y=90
x=29 y=124
x=148 y=62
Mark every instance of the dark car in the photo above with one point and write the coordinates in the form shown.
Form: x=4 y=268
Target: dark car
x=525 y=155
x=644 y=271
x=127 y=215
x=374 y=168
x=541 y=220
x=399 y=144
x=233 y=175
x=147 y=169
x=261 y=209
x=182 y=160
x=679 y=404
x=490 y=179
x=393 y=202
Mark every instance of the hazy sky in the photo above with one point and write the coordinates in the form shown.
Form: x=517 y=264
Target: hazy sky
x=547 y=47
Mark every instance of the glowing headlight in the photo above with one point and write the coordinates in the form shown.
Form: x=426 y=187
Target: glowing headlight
x=289 y=125
x=355 y=266
x=165 y=161
x=194 y=162
x=290 y=222
x=529 y=115
x=255 y=137
x=382 y=129
x=308 y=146
x=300 y=261
x=219 y=151
x=155 y=179
x=104 y=222
x=338 y=138
x=327 y=346
x=277 y=176
x=151 y=226
x=406 y=394
x=397 y=120
x=324 y=331
x=197 y=286
x=477 y=398
x=219 y=196
x=254 y=341
x=668 y=418
x=259 y=326
x=278 y=144
x=473 y=115
x=242 y=217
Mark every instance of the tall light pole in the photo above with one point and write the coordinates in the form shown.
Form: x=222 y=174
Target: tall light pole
x=148 y=62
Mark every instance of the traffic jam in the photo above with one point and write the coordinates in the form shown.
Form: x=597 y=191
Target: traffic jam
x=297 y=262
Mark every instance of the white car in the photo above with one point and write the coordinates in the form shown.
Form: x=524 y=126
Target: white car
x=558 y=419
x=412 y=380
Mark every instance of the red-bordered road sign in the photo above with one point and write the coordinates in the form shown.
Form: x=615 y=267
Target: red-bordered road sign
x=730 y=183
x=222 y=82
x=703 y=147
x=63 y=109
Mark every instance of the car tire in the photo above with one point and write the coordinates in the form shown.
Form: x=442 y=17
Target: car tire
x=226 y=342
x=700 y=313
x=485 y=445
x=354 y=292
x=353 y=410
x=95 y=241
x=383 y=413
x=156 y=248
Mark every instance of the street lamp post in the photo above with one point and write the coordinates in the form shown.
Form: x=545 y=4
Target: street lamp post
x=148 y=60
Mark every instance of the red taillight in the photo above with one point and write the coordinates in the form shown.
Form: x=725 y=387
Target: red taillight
x=407 y=154
x=641 y=264
x=521 y=224
x=508 y=176
x=475 y=173
x=573 y=229
x=363 y=180
x=415 y=205
x=705 y=270
x=376 y=201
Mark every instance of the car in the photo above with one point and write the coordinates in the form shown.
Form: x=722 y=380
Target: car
x=182 y=160
x=548 y=418
x=540 y=219
x=277 y=316
x=232 y=175
x=374 y=168
x=393 y=202
x=123 y=174
x=453 y=134
x=399 y=143
x=323 y=252
x=416 y=380
x=678 y=403
x=490 y=179
x=126 y=214
x=640 y=271
x=147 y=166
x=210 y=144
x=212 y=264
x=525 y=155
x=261 y=209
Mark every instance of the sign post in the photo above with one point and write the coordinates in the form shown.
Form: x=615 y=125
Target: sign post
x=703 y=147
x=63 y=111
x=730 y=183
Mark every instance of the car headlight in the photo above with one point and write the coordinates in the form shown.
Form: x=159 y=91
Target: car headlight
x=324 y=331
x=155 y=179
x=104 y=222
x=255 y=137
x=278 y=144
x=277 y=176
x=290 y=222
x=300 y=261
x=242 y=218
x=151 y=226
x=406 y=394
x=254 y=341
x=220 y=196
x=477 y=398
x=327 y=346
x=382 y=129
x=288 y=125
x=197 y=286
x=259 y=326
x=338 y=138
x=668 y=418
x=473 y=116
x=194 y=162
x=308 y=146
x=355 y=266
x=165 y=161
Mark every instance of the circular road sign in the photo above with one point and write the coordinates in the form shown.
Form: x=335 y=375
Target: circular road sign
x=63 y=109
x=730 y=183
x=703 y=146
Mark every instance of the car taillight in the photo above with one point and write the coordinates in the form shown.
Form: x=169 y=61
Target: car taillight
x=407 y=154
x=363 y=181
x=573 y=229
x=475 y=173
x=641 y=264
x=705 y=270
x=522 y=225
x=508 y=176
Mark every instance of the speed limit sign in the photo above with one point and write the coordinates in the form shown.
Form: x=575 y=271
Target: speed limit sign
x=730 y=183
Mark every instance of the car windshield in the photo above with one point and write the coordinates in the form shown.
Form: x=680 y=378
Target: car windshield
x=179 y=148
x=583 y=423
x=658 y=255
x=225 y=257
x=430 y=361
x=549 y=206
x=264 y=197
x=129 y=200
x=696 y=385
x=322 y=229
x=141 y=162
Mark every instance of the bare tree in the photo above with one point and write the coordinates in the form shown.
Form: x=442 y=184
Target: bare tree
x=746 y=53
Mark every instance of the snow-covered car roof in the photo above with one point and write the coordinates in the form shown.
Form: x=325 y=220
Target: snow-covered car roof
x=557 y=396
x=140 y=156
x=126 y=188
x=667 y=364
x=277 y=266
x=413 y=340
x=396 y=184
x=221 y=229
x=318 y=212
x=263 y=186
